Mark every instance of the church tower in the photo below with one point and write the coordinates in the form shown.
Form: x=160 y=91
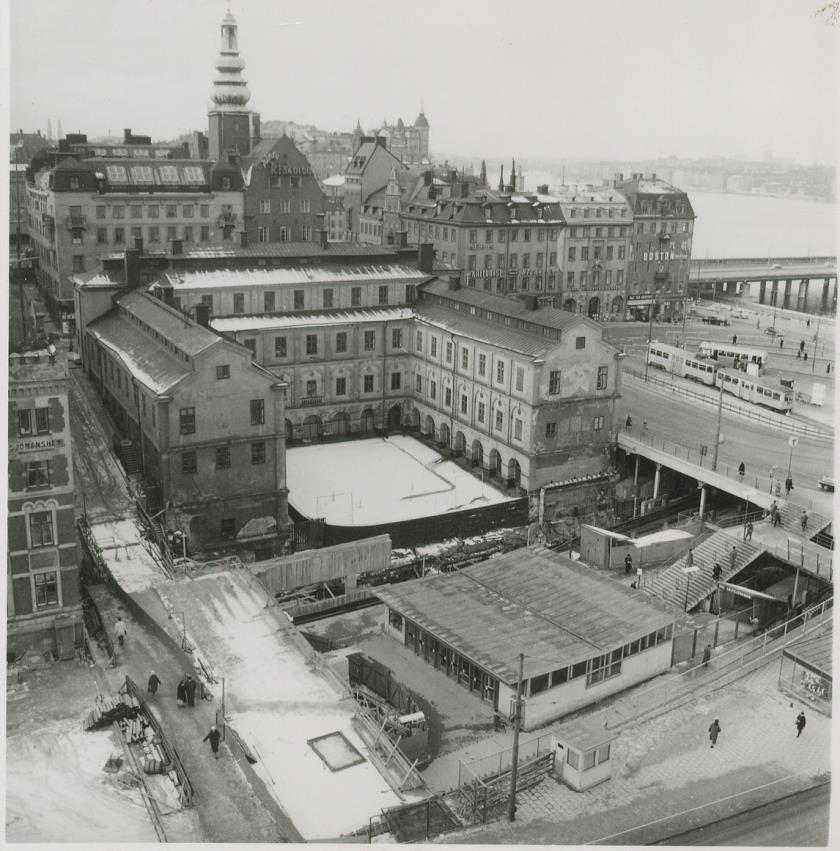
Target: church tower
x=421 y=123
x=231 y=125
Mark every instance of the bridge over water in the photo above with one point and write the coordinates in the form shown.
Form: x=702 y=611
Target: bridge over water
x=807 y=284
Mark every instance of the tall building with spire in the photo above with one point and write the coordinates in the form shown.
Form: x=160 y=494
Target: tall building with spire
x=233 y=127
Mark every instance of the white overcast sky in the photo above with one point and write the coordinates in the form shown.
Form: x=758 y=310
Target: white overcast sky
x=618 y=79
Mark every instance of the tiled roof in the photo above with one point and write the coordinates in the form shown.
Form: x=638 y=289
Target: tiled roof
x=268 y=322
x=554 y=610
x=492 y=209
x=212 y=279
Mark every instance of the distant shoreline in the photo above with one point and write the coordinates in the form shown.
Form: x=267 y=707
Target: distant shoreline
x=816 y=198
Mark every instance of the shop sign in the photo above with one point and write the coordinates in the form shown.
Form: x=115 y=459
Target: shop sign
x=34 y=445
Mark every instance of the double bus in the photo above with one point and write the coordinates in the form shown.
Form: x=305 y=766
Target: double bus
x=766 y=391
x=680 y=362
x=728 y=354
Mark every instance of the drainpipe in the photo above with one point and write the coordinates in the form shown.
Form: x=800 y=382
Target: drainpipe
x=139 y=422
x=454 y=391
x=384 y=366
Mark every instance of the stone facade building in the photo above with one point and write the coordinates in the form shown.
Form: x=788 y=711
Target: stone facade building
x=43 y=607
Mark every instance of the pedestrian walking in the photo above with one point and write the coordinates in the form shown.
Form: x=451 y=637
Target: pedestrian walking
x=213 y=737
x=154 y=682
x=777 y=517
x=805 y=356
x=717 y=571
x=781 y=342
x=628 y=563
x=758 y=323
x=628 y=423
x=741 y=470
x=800 y=724
x=190 y=685
x=120 y=630
x=828 y=368
x=778 y=488
x=689 y=559
x=733 y=558
x=734 y=339
x=748 y=531
x=803 y=519
x=707 y=654
x=808 y=324
x=644 y=426
x=788 y=485
x=714 y=731
x=181 y=693
x=801 y=346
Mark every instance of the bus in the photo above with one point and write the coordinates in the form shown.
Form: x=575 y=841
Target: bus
x=680 y=362
x=766 y=391
x=728 y=354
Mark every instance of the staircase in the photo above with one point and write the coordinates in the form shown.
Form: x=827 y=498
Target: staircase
x=670 y=584
x=129 y=457
x=791 y=519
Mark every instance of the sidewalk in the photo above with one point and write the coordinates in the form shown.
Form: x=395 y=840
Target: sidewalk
x=665 y=766
x=227 y=807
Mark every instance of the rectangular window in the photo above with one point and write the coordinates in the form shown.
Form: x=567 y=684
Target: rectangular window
x=204 y=211
x=222 y=371
x=433 y=346
x=396 y=380
x=580 y=342
x=383 y=294
x=482 y=365
x=500 y=372
x=396 y=338
x=305 y=206
x=279 y=347
x=119 y=236
x=154 y=234
x=78 y=263
x=584 y=252
x=447 y=397
x=285 y=206
x=312 y=344
x=370 y=341
x=265 y=205
x=432 y=389
x=603 y=372
x=205 y=233
x=239 y=302
x=311 y=388
x=419 y=341
x=551 y=430
x=118 y=211
x=41 y=528
x=101 y=236
x=284 y=234
x=46 y=589
x=328 y=297
x=257 y=412
x=355 y=297
x=100 y=211
x=306 y=233
x=572 y=253
x=418 y=383
x=554 y=382
x=258 y=452
x=262 y=234
x=368 y=384
x=465 y=359
x=520 y=378
x=341 y=386
x=517 y=429
x=597 y=423
x=187 y=420
x=268 y=302
x=449 y=351
x=298 y=299
x=188 y=234
x=171 y=211
x=499 y=420
x=38 y=474
x=227 y=528
x=341 y=341
x=251 y=344
x=222 y=457
x=480 y=412
x=463 y=404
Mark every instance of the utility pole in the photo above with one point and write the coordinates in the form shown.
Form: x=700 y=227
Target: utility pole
x=650 y=335
x=517 y=721
x=719 y=418
x=816 y=340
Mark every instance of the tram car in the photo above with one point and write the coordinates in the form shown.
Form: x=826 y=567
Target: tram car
x=680 y=362
x=766 y=391
x=730 y=355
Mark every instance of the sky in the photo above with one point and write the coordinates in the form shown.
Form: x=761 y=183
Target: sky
x=606 y=79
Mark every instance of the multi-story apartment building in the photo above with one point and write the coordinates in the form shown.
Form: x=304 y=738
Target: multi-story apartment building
x=367 y=171
x=663 y=226
x=88 y=205
x=594 y=250
x=505 y=242
x=283 y=199
x=197 y=407
x=43 y=606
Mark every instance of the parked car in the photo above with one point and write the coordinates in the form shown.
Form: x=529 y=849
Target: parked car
x=772 y=331
x=826 y=483
x=715 y=320
x=777 y=266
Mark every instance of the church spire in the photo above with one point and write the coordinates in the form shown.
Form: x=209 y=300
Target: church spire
x=483 y=173
x=502 y=178
x=230 y=92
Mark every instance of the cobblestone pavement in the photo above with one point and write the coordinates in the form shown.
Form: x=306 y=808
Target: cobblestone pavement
x=666 y=766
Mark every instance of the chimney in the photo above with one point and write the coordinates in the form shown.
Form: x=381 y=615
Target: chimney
x=243 y=239
x=202 y=315
x=542 y=189
x=132 y=268
x=452 y=175
x=138 y=244
x=177 y=246
x=127 y=135
x=454 y=282
x=465 y=190
x=426 y=257
x=653 y=176
x=168 y=296
x=427 y=178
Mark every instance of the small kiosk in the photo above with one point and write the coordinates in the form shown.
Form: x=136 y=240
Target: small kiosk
x=583 y=755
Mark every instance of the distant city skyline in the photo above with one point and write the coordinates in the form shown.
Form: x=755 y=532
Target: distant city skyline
x=605 y=80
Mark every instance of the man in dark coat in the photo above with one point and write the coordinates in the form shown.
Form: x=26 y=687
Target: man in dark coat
x=213 y=737
x=628 y=563
x=190 y=685
x=181 y=693
x=154 y=682
x=800 y=724
x=714 y=731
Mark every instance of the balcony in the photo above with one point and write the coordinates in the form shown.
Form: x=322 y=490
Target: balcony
x=663 y=236
x=227 y=218
x=311 y=401
x=76 y=222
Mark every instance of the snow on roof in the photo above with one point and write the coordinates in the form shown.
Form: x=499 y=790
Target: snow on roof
x=324 y=481
x=334 y=180
x=657 y=187
x=659 y=537
x=302 y=275
x=342 y=317
x=547 y=199
x=278 y=701
x=519 y=199
x=127 y=554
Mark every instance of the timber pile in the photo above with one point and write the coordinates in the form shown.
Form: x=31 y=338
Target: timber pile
x=106 y=710
x=154 y=759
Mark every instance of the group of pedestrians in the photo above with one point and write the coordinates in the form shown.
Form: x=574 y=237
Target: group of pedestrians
x=715 y=728
x=184 y=692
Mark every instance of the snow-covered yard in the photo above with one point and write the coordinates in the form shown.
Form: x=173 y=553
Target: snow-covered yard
x=381 y=480
x=277 y=701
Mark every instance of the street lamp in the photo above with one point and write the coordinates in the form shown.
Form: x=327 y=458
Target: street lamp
x=650 y=332
x=718 y=435
x=688 y=571
x=792 y=441
x=747 y=497
x=816 y=340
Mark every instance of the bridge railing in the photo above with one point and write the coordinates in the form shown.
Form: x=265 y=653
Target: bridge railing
x=736 y=262
x=768 y=418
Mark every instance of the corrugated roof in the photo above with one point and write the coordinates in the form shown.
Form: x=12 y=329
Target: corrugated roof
x=205 y=280
x=493 y=333
x=263 y=322
x=548 y=607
